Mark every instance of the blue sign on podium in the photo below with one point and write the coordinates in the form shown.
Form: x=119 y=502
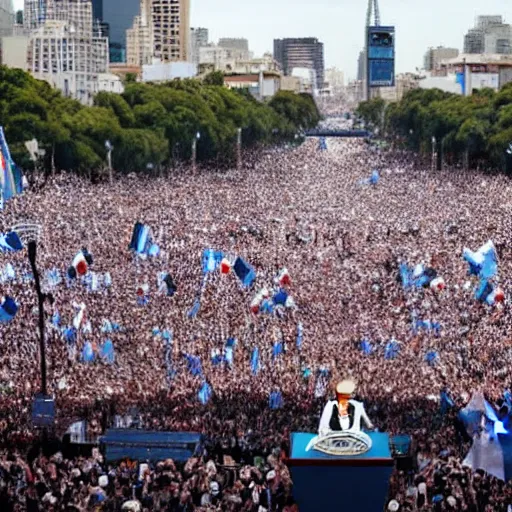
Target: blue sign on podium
x=43 y=411
x=331 y=482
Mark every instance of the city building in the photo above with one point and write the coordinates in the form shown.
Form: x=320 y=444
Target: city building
x=199 y=38
x=477 y=71
x=261 y=85
x=234 y=43
x=216 y=58
x=490 y=35
x=139 y=38
x=403 y=84
x=7 y=18
x=167 y=71
x=300 y=53
x=170 y=29
x=160 y=31
x=434 y=56
x=361 y=65
x=63 y=49
x=335 y=80
x=14 y=52
x=119 y=15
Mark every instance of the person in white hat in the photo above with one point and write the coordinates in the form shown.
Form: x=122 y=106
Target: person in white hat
x=393 y=506
x=343 y=414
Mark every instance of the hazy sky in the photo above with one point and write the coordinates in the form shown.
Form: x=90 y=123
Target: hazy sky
x=339 y=24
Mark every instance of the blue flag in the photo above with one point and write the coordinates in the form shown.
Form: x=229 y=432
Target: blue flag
x=278 y=349
x=392 y=350
x=88 y=353
x=56 y=319
x=211 y=260
x=195 y=308
x=275 y=400
x=255 y=360
x=446 y=402
x=204 y=394
x=366 y=347
x=432 y=357
x=69 y=335
x=8 y=310
x=194 y=365
x=10 y=242
x=107 y=352
x=300 y=335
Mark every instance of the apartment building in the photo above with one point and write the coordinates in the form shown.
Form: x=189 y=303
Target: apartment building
x=301 y=53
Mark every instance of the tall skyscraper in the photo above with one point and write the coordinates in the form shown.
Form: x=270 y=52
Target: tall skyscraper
x=301 y=53
x=7 y=17
x=161 y=31
x=171 y=29
x=199 y=38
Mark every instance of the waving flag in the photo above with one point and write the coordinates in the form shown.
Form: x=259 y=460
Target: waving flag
x=255 y=361
x=228 y=351
x=278 y=349
x=211 y=260
x=392 y=350
x=10 y=242
x=88 y=353
x=141 y=241
x=10 y=175
x=432 y=357
x=8 y=310
x=205 y=393
x=275 y=400
x=300 y=335
x=107 y=352
x=366 y=347
x=195 y=308
x=484 y=262
x=244 y=272
x=194 y=365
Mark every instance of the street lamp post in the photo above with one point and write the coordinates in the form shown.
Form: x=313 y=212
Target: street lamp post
x=32 y=252
x=239 y=149
x=194 y=151
x=434 y=154
x=109 y=148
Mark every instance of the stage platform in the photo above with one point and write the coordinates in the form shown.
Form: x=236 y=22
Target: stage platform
x=327 y=482
x=143 y=445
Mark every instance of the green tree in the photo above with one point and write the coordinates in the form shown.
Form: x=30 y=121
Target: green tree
x=214 y=78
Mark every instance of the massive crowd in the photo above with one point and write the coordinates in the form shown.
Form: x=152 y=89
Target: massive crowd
x=342 y=242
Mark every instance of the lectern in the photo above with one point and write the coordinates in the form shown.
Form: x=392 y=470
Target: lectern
x=340 y=483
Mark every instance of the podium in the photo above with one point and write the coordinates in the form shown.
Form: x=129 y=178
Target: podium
x=327 y=482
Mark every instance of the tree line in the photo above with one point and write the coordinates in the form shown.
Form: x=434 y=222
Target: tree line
x=149 y=125
x=467 y=130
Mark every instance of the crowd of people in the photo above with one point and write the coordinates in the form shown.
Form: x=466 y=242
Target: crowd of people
x=299 y=208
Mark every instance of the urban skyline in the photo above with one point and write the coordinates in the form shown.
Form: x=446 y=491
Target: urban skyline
x=341 y=30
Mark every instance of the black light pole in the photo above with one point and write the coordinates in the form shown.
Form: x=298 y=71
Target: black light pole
x=40 y=298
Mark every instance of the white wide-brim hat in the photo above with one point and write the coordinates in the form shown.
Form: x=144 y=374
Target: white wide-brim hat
x=345 y=387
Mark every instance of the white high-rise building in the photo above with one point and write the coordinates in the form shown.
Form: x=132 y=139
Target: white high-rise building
x=7 y=18
x=63 y=51
x=199 y=38
x=139 y=38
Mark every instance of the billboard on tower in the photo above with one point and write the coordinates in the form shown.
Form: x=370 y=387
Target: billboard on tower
x=381 y=56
